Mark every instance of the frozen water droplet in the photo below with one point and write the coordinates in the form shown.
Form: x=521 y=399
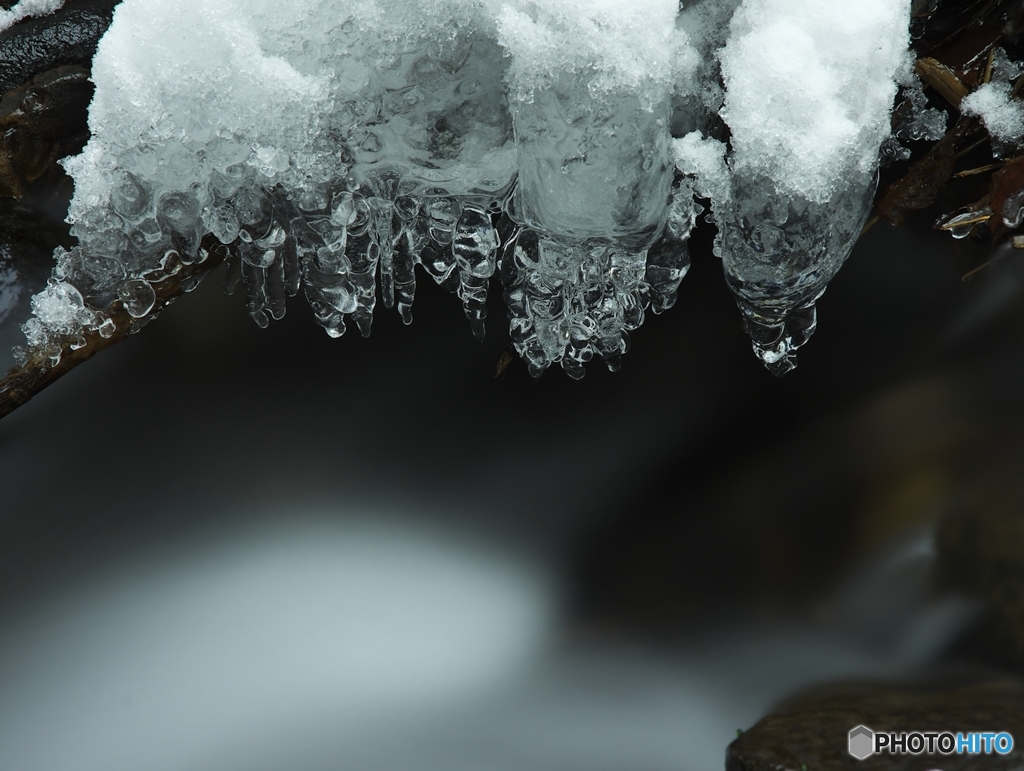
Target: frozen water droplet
x=222 y=223
x=257 y=257
x=130 y=197
x=252 y=207
x=273 y=239
x=475 y=243
x=343 y=210
x=1013 y=210
x=137 y=296
x=573 y=369
x=363 y=323
x=178 y=212
x=780 y=251
x=107 y=328
x=442 y=215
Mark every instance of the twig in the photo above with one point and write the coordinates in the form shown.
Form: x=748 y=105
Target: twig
x=967 y=149
x=978 y=269
x=868 y=225
x=942 y=79
x=506 y=359
x=959 y=222
x=1018 y=84
x=987 y=77
x=24 y=382
x=977 y=170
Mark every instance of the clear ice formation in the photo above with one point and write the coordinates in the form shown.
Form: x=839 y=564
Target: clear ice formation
x=809 y=90
x=333 y=145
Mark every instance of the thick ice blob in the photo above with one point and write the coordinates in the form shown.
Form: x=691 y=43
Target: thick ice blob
x=809 y=93
x=591 y=84
x=327 y=142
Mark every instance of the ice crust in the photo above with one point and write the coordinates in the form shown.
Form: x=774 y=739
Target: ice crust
x=922 y=122
x=332 y=145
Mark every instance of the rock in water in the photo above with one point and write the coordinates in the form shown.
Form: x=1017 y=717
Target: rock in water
x=811 y=732
x=981 y=550
x=41 y=122
x=68 y=36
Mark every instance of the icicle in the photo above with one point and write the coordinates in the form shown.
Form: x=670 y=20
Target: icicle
x=333 y=147
x=805 y=150
x=594 y=182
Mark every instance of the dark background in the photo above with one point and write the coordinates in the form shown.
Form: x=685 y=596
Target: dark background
x=707 y=538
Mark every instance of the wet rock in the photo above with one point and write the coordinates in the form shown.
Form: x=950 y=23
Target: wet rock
x=41 y=122
x=809 y=732
x=68 y=36
x=23 y=272
x=30 y=229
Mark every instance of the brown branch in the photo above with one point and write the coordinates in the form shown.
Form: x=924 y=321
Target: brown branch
x=920 y=186
x=25 y=381
x=940 y=77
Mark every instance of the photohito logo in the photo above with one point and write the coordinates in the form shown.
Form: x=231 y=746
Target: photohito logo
x=863 y=742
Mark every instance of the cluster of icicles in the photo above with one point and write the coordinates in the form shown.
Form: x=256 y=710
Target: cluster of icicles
x=448 y=152
x=568 y=298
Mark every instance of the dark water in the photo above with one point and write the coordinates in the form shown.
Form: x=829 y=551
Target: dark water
x=222 y=547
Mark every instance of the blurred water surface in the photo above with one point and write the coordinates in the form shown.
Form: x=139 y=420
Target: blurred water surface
x=222 y=547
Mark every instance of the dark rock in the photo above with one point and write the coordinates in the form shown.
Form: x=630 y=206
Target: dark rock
x=809 y=732
x=30 y=229
x=68 y=36
x=41 y=122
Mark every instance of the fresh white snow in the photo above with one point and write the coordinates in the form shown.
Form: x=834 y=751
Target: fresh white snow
x=810 y=88
x=1002 y=116
x=26 y=9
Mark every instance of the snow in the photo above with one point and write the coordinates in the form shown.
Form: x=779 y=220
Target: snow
x=809 y=88
x=26 y=9
x=704 y=157
x=612 y=46
x=336 y=145
x=1002 y=116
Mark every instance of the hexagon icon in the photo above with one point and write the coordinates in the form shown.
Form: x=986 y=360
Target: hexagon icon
x=862 y=742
